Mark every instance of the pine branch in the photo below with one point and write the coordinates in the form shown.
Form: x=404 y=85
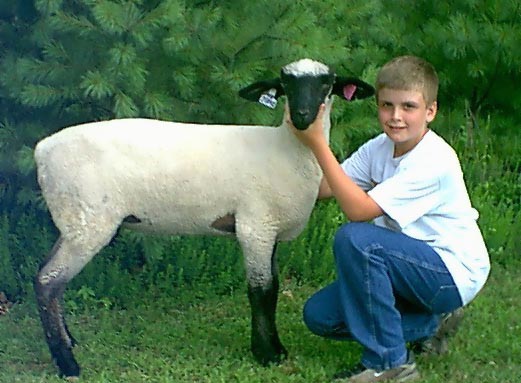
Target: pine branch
x=122 y=54
x=24 y=160
x=66 y=22
x=110 y=17
x=156 y=104
x=47 y=7
x=39 y=95
x=133 y=76
x=95 y=85
x=124 y=106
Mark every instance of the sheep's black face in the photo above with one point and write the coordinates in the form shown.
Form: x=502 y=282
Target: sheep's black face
x=305 y=93
x=306 y=84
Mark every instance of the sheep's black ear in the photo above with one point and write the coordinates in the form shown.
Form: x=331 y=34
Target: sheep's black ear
x=351 y=88
x=256 y=90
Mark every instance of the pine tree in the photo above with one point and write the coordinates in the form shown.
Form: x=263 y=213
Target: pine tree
x=17 y=124
x=473 y=44
x=83 y=60
x=65 y=62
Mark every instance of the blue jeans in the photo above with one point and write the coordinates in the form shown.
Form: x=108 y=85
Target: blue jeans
x=391 y=289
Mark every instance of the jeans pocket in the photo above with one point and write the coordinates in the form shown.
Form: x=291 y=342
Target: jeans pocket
x=445 y=300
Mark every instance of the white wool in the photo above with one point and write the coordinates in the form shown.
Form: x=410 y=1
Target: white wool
x=259 y=183
x=305 y=67
x=178 y=179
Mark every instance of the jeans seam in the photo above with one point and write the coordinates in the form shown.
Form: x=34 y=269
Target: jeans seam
x=356 y=247
x=368 y=289
x=376 y=246
x=376 y=335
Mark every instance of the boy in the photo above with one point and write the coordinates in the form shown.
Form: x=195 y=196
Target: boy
x=423 y=257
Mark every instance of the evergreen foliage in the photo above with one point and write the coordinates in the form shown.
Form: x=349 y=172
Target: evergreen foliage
x=473 y=43
x=70 y=61
x=7 y=271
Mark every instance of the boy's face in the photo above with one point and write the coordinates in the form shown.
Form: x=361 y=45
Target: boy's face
x=404 y=116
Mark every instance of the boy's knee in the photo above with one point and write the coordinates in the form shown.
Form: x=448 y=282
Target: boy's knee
x=309 y=315
x=313 y=316
x=321 y=312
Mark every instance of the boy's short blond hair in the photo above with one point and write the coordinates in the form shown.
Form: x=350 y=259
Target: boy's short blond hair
x=409 y=73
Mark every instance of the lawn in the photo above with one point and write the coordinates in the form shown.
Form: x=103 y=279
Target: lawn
x=202 y=337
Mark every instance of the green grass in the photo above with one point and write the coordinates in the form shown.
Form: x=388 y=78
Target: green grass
x=206 y=339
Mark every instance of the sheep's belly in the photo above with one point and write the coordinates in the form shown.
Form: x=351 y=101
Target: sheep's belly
x=217 y=222
x=188 y=227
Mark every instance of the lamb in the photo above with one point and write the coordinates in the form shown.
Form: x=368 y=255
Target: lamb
x=257 y=183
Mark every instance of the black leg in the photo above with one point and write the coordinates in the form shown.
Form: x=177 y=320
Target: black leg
x=265 y=342
x=56 y=333
x=49 y=291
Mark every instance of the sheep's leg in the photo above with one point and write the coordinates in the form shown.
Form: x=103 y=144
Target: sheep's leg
x=265 y=343
x=36 y=285
x=263 y=284
x=67 y=258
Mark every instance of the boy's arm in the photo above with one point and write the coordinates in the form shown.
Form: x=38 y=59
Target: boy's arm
x=356 y=204
x=324 y=191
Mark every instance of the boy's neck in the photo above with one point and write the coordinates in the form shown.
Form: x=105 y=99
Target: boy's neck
x=400 y=150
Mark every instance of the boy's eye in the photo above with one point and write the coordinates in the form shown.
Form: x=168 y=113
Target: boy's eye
x=409 y=105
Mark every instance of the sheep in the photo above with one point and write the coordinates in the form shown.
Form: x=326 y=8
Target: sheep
x=256 y=183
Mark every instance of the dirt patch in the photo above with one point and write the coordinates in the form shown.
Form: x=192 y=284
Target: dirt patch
x=5 y=305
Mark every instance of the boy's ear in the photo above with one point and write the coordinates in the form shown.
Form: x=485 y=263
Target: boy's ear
x=351 y=88
x=431 y=111
x=254 y=91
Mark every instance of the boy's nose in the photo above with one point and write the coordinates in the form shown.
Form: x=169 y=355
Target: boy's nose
x=396 y=114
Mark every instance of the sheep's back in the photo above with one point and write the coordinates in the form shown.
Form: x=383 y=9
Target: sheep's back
x=177 y=177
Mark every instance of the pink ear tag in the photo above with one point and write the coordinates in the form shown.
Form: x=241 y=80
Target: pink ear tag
x=349 y=91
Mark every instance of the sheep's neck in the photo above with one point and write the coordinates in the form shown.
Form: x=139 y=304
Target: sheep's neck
x=326 y=121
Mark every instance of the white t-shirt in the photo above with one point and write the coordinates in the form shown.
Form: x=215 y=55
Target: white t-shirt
x=423 y=195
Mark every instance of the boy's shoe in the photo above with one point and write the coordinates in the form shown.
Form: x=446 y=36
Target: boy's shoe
x=405 y=373
x=438 y=344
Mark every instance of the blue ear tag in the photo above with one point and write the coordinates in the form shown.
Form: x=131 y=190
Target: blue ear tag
x=268 y=99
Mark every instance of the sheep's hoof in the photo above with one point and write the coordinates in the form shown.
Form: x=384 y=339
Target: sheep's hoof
x=269 y=358
x=69 y=368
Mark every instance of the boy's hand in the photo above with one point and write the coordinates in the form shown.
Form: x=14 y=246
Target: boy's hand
x=313 y=136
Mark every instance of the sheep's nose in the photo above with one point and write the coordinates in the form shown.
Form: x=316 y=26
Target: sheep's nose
x=305 y=115
x=302 y=118
x=303 y=112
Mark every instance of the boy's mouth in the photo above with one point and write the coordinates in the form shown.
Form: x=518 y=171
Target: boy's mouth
x=393 y=127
